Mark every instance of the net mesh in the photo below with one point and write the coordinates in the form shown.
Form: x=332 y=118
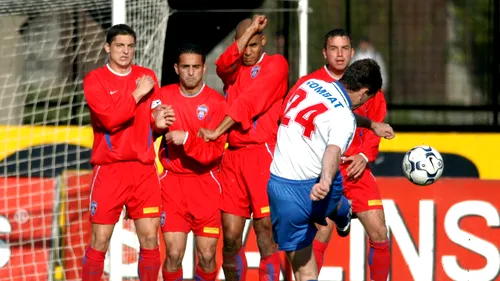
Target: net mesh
x=47 y=48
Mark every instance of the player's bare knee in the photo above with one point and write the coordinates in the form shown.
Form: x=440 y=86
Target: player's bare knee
x=99 y=243
x=174 y=258
x=263 y=228
x=374 y=224
x=264 y=233
x=379 y=233
x=307 y=273
x=206 y=259
x=148 y=240
x=232 y=245
x=101 y=235
x=232 y=240
x=147 y=232
x=324 y=231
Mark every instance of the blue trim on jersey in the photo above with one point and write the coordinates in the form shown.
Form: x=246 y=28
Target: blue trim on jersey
x=108 y=140
x=270 y=272
x=346 y=97
x=150 y=137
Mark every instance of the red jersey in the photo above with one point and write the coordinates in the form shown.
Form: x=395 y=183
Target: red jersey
x=122 y=128
x=364 y=141
x=202 y=110
x=254 y=95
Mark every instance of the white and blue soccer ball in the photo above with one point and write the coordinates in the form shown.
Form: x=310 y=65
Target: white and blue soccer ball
x=423 y=165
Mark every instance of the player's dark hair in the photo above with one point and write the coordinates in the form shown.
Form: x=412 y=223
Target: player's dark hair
x=338 y=32
x=190 y=48
x=119 y=29
x=364 y=73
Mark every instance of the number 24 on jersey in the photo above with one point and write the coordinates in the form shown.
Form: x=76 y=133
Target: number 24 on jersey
x=306 y=116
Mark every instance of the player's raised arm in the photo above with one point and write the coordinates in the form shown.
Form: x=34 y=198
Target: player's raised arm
x=229 y=61
x=258 y=97
x=110 y=113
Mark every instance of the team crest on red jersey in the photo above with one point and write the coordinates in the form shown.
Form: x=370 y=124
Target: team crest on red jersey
x=255 y=71
x=202 y=111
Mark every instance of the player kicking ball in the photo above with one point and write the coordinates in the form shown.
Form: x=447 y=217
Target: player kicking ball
x=360 y=186
x=317 y=126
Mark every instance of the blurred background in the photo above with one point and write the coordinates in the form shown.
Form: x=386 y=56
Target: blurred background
x=440 y=59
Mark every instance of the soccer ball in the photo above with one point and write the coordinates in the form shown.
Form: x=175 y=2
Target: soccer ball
x=423 y=165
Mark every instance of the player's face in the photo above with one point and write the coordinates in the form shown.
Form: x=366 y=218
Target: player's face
x=121 y=50
x=360 y=97
x=253 y=51
x=190 y=70
x=338 y=53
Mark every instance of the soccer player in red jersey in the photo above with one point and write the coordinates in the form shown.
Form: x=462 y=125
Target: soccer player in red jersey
x=255 y=85
x=360 y=185
x=120 y=98
x=190 y=183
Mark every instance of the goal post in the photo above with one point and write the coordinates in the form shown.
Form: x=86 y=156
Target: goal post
x=47 y=47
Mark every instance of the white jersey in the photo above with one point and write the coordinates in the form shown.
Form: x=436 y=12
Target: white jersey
x=318 y=114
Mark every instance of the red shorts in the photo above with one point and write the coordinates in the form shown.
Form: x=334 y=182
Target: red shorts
x=191 y=202
x=131 y=184
x=244 y=176
x=363 y=192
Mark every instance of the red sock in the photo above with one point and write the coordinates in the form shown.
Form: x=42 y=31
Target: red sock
x=149 y=264
x=236 y=265
x=319 y=249
x=205 y=276
x=93 y=265
x=172 y=276
x=379 y=260
x=270 y=268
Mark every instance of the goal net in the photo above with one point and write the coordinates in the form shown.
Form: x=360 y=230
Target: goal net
x=46 y=49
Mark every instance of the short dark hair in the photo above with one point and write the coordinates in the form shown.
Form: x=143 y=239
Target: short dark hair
x=190 y=48
x=338 y=32
x=364 y=73
x=119 y=29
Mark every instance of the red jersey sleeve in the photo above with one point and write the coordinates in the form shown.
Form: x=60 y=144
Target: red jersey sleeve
x=263 y=91
x=111 y=114
x=370 y=141
x=228 y=64
x=207 y=152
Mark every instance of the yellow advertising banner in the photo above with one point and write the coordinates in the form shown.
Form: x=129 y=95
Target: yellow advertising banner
x=478 y=149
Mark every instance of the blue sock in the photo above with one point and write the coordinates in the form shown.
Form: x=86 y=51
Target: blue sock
x=342 y=216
